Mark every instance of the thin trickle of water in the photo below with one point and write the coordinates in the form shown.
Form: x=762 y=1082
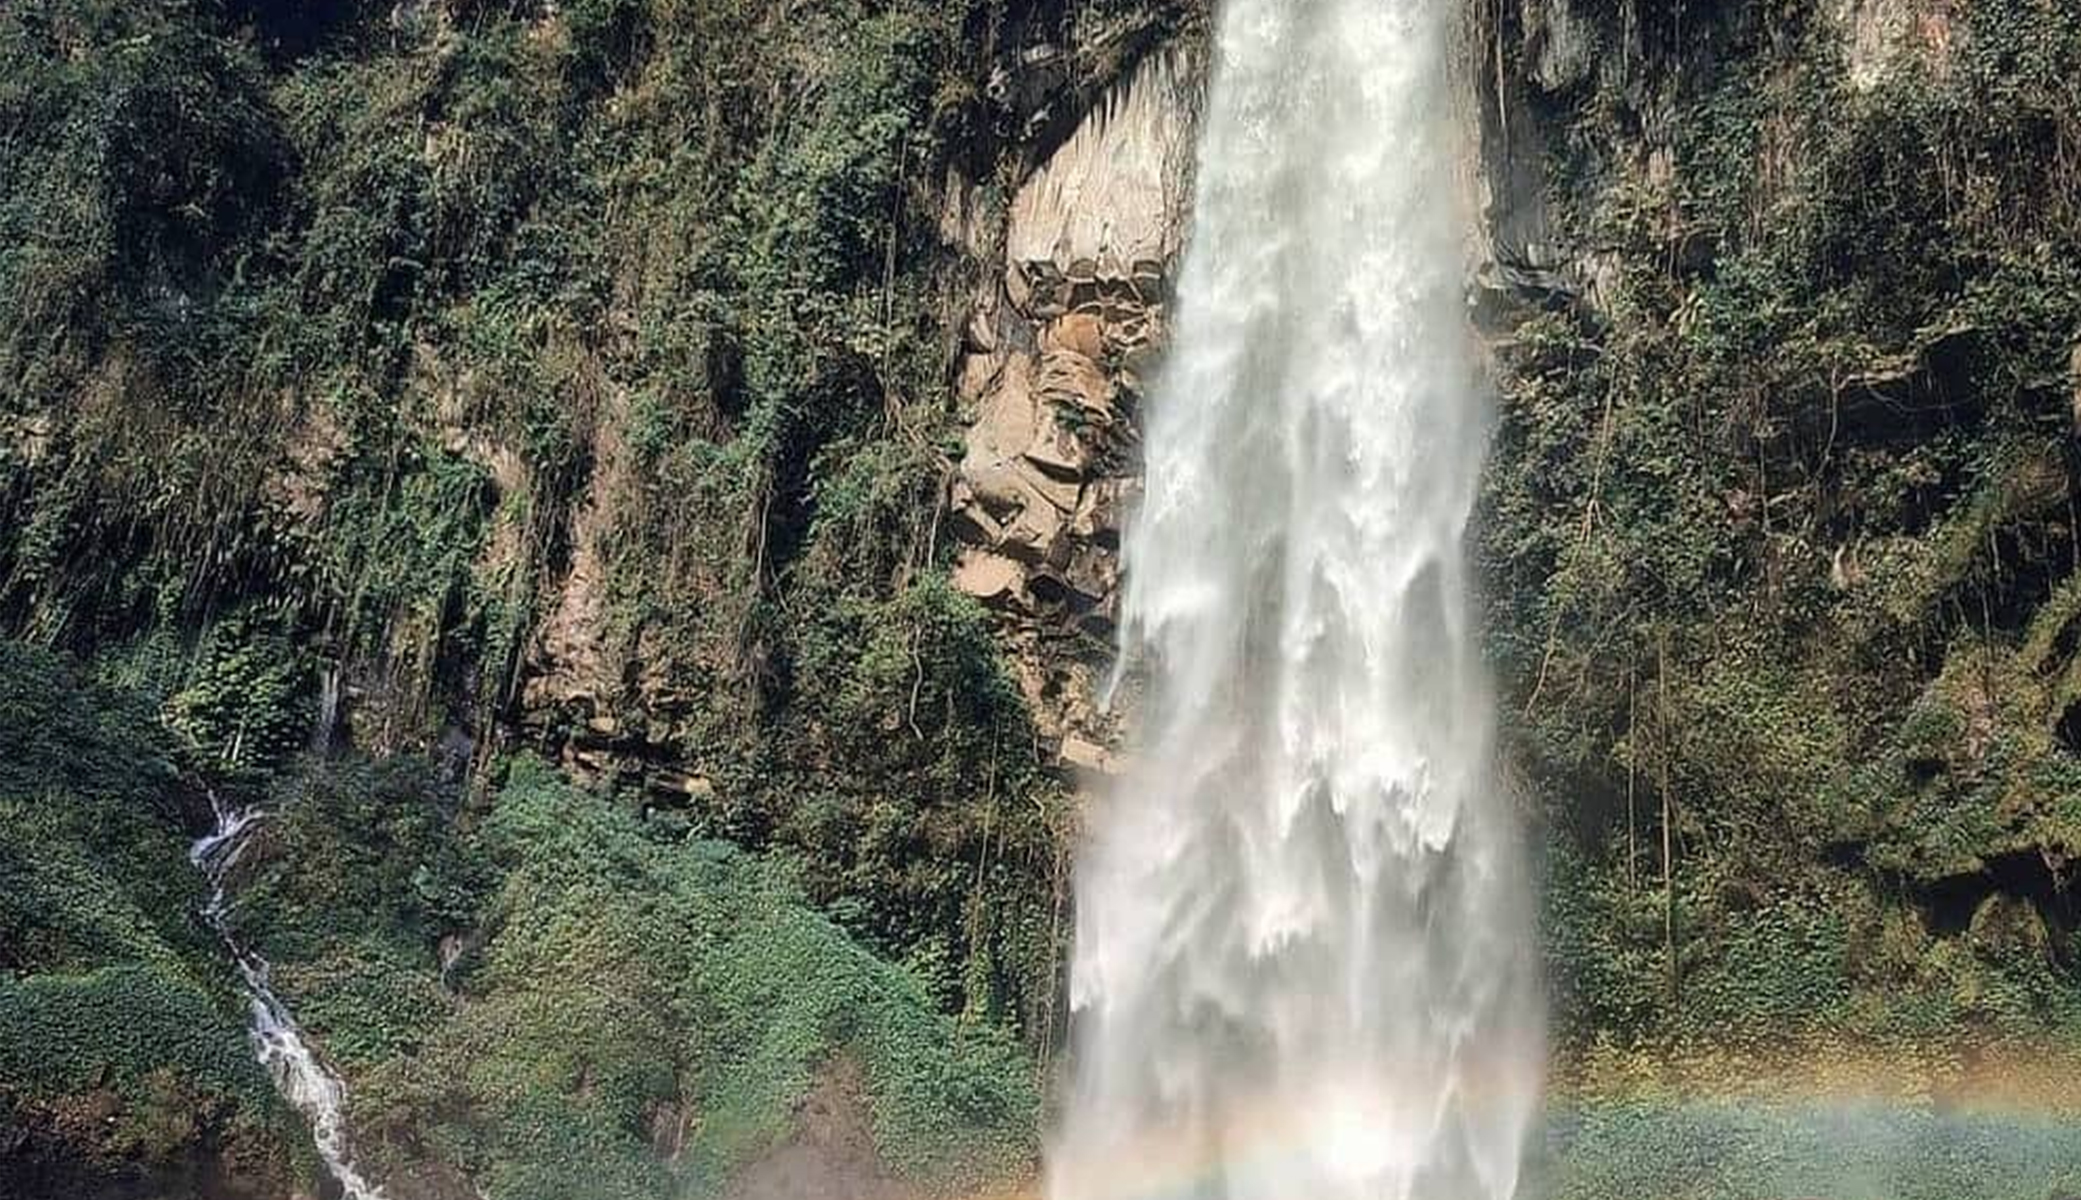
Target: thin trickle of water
x=1302 y=964
x=325 y=734
x=305 y=1082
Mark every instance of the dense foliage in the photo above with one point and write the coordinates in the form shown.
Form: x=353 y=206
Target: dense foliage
x=574 y=371
x=624 y=1011
x=1781 y=525
x=347 y=353
x=422 y=383
x=120 y=1042
x=562 y=999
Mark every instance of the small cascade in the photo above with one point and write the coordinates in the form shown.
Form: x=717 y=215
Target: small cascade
x=305 y=1082
x=325 y=735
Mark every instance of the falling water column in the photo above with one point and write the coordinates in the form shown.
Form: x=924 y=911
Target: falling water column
x=1302 y=963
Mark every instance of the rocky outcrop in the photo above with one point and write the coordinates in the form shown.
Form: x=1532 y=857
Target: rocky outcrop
x=1534 y=62
x=1056 y=357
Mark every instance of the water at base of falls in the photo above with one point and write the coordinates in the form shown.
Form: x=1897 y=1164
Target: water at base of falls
x=1303 y=967
x=311 y=1088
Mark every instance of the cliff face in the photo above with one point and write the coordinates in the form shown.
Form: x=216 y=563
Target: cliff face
x=390 y=394
x=1779 y=524
x=598 y=379
x=1056 y=357
x=1777 y=528
x=735 y=407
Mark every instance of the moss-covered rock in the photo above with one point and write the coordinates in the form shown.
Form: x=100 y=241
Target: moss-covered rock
x=636 y=1014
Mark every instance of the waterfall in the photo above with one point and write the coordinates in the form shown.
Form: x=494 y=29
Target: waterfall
x=309 y=1086
x=325 y=734
x=1303 y=963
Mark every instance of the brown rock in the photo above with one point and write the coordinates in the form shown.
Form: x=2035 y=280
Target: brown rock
x=978 y=373
x=981 y=331
x=1006 y=488
x=1088 y=756
x=971 y=521
x=588 y=761
x=1035 y=535
x=1060 y=455
x=1006 y=421
x=1017 y=289
x=998 y=489
x=681 y=783
x=1093 y=574
x=995 y=580
x=1079 y=333
x=1114 y=191
x=1063 y=493
x=1068 y=377
x=964 y=219
x=1037 y=288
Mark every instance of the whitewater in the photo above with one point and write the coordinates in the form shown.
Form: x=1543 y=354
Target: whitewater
x=1302 y=964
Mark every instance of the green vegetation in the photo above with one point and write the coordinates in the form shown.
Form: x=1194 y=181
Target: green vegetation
x=1853 y=1150
x=571 y=378
x=1781 y=533
x=565 y=374
x=374 y=349
x=557 y=997
x=119 y=1039
x=637 y=1013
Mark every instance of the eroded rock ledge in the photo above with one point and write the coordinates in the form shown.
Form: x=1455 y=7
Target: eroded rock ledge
x=1057 y=354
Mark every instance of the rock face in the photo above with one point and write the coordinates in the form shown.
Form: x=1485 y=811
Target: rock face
x=1806 y=283
x=1057 y=355
x=1880 y=36
x=1115 y=191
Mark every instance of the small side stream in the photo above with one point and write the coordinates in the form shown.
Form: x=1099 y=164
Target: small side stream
x=278 y=1043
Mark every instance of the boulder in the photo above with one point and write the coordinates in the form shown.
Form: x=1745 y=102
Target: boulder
x=1082 y=333
x=1088 y=756
x=1035 y=535
x=1059 y=453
